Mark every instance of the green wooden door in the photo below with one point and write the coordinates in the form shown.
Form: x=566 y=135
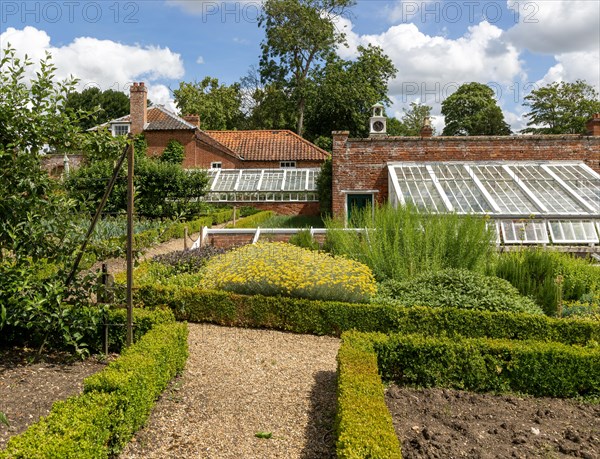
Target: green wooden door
x=358 y=202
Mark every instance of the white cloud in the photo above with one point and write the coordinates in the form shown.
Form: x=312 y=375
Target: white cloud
x=102 y=63
x=200 y=60
x=432 y=67
x=556 y=26
x=159 y=94
x=584 y=65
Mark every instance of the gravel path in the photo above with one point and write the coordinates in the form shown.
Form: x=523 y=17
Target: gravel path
x=237 y=383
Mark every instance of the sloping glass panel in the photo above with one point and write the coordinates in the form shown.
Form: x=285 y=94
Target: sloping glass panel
x=580 y=180
x=564 y=231
x=312 y=183
x=272 y=180
x=547 y=189
x=524 y=232
x=504 y=190
x=417 y=188
x=462 y=192
x=249 y=180
x=211 y=177
x=226 y=180
x=295 y=180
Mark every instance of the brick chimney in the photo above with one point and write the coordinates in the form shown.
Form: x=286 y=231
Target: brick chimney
x=426 y=130
x=138 y=107
x=192 y=119
x=593 y=125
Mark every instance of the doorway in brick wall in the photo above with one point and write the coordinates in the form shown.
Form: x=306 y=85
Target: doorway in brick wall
x=356 y=202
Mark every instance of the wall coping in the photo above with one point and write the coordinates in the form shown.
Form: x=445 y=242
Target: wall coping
x=510 y=138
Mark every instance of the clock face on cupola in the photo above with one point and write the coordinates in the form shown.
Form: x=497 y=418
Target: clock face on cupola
x=377 y=122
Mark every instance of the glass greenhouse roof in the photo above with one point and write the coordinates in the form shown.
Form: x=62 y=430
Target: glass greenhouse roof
x=248 y=185
x=507 y=188
x=532 y=202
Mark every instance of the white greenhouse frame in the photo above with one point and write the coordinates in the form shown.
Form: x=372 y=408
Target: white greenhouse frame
x=533 y=202
x=263 y=185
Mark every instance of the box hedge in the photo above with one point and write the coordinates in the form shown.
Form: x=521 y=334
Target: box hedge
x=115 y=402
x=537 y=368
x=253 y=221
x=332 y=318
x=363 y=422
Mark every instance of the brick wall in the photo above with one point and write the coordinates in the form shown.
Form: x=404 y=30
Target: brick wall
x=232 y=240
x=54 y=164
x=361 y=164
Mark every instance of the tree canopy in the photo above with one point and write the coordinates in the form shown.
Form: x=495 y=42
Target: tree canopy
x=299 y=36
x=96 y=106
x=472 y=110
x=218 y=105
x=561 y=108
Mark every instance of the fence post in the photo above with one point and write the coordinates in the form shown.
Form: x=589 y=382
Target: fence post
x=185 y=237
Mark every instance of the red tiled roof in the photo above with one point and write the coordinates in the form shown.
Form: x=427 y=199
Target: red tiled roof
x=159 y=119
x=269 y=145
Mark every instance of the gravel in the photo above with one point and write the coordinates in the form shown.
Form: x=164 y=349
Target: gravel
x=239 y=383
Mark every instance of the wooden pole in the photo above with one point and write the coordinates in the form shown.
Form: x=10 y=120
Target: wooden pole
x=130 y=190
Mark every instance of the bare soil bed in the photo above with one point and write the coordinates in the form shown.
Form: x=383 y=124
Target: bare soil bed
x=441 y=423
x=29 y=385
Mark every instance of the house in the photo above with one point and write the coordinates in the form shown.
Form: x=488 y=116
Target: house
x=533 y=188
x=271 y=169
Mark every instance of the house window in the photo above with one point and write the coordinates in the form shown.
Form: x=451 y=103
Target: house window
x=287 y=164
x=215 y=165
x=120 y=129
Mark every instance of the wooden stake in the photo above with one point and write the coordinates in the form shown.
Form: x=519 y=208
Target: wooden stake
x=130 y=190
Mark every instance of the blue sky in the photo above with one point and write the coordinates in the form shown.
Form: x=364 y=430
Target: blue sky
x=513 y=45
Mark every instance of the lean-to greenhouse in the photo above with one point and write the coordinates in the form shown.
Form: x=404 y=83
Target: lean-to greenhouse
x=530 y=202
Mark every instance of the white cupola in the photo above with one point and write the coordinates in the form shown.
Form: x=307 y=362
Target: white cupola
x=377 y=122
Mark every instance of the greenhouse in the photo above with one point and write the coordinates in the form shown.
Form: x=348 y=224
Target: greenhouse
x=530 y=202
x=263 y=185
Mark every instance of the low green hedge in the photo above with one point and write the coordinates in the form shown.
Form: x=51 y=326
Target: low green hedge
x=115 y=403
x=480 y=364
x=364 y=424
x=332 y=318
x=253 y=221
x=143 y=321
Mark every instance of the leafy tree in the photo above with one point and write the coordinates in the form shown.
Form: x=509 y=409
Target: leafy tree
x=395 y=127
x=37 y=233
x=561 y=108
x=174 y=153
x=299 y=36
x=218 y=105
x=343 y=92
x=414 y=118
x=99 y=106
x=472 y=110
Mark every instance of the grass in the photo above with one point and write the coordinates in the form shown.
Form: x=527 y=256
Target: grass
x=293 y=221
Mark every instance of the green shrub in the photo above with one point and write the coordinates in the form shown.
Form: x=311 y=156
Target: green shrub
x=174 y=153
x=283 y=269
x=305 y=240
x=364 y=424
x=221 y=216
x=549 y=277
x=139 y=376
x=458 y=288
x=481 y=364
x=402 y=243
x=115 y=403
x=188 y=261
x=332 y=318
x=79 y=427
x=253 y=221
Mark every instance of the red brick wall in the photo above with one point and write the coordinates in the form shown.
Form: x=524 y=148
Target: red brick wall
x=54 y=164
x=361 y=164
x=231 y=240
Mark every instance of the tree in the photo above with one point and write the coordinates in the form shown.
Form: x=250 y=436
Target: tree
x=218 y=105
x=343 y=92
x=472 y=110
x=101 y=106
x=37 y=232
x=174 y=153
x=299 y=36
x=561 y=108
x=414 y=118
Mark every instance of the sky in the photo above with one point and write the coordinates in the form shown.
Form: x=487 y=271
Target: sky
x=514 y=46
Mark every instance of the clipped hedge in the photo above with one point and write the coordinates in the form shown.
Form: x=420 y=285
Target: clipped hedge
x=543 y=369
x=253 y=221
x=333 y=318
x=115 y=402
x=364 y=424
